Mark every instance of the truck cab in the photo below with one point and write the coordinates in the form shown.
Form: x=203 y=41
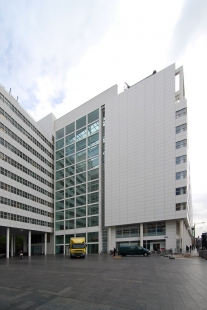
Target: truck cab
x=77 y=247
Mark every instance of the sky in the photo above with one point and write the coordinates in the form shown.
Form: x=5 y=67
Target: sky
x=56 y=55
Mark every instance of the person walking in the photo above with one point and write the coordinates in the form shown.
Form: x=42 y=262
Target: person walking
x=21 y=254
x=114 y=251
x=190 y=248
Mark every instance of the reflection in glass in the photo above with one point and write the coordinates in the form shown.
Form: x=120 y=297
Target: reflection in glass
x=80 y=134
x=93 y=116
x=80 y=156
x=80 y=122
x=70 y=128
x=93 y=163
x=70 y=149
x=70 y=139
x=93 y=151
x=93 y=128
x=93 y=140
x=59 y=134
x=59 y=144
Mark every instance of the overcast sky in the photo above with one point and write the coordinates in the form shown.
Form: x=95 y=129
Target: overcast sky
x=56 y=55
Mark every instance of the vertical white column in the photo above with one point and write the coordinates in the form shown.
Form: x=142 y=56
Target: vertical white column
x=46 y=244
x=141 y=234
x=109 y=239
x=12 y=245
x=181 y=235
x=29 y=243
x=7 y=242
x=100 y=180
x=14 y=238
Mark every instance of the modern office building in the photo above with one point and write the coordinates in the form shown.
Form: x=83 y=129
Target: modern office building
x=26 y=178
x=121 y=169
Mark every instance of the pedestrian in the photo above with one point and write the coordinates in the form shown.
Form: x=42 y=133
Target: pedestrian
x=21 y=254
x=114 y=251
x=190 y=248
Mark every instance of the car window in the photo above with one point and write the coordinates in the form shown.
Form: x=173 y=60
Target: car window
x=139 y=247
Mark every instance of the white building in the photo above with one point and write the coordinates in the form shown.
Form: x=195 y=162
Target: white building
x=26 y=178
x=121 y=169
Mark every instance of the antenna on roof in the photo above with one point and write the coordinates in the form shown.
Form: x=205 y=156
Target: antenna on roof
x=127 y=86
x=10 y=91
x=17 y=98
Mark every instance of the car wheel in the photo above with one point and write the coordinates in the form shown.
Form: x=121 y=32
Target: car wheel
x=145 y=255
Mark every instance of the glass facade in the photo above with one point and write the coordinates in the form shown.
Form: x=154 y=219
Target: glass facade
x=77 y=181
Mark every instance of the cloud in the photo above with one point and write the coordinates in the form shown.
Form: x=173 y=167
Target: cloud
x=191 y=23
x=41 y=41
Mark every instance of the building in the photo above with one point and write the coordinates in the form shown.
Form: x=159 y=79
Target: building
x=121 y=167
x=26 y=178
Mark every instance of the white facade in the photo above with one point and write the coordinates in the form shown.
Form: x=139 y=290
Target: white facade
x=26 y=161
x=120 y=172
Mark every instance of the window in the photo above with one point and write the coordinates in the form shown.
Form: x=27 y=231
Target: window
x=59 y=225
x=93 y=128
x=181 y=159
x=93 y=209
x=81 y=122
x=80 y=178
x=58 y=239
x=93 y=186
x=59 y=195
x=69 y=224
x=69 y=214
x=70 y=139
x=59 y=174
x=182 y=143
x=81 y=167
x=59 y=134
x=181 y=190
x=59 y=184
x=180 y=113
x=80 y=223
x=93 y=151
x=70 y=128
x=69 y=192
x=81 y=189
x=60 y=164
x=93 y=174
x=181 y=128
x=59 y=205
x=59 y=144
x=70 y=149
x=93 y=221
x=69 y=181
x=80 y=156
x=81 y=134
x=94 y=139
x=59 y=215
x=93 y=163
x=60 y=154
x=81 y=200
x=181 y=206
x=80 y=145
x=69 y=171
x=70 y=203
x=93 y=116
x=93 y=197
x=93 y=237
x=81 y=212
x=70 y=160
x=181 y=175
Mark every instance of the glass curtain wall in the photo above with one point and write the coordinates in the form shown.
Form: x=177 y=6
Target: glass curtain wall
x=77 y=181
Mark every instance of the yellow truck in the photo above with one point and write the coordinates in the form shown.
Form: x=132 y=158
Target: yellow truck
x=77 y=247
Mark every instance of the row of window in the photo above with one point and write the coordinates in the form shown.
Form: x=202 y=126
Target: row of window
x=15 y=164
x=181 y=159
x=19 y=179
x=26 y=133
x=80 y=135
x=181 y=128
x=93 y=116
x=181 y=190
x=25 y=157
x=70 y=203
x=80 y=189
x=22 y=206
x=80 y=167
x=149 y=229
x=25 y=120
x=77 y=223
x=80 y=200
x=80 y=178
x=39 y=238
x=181 y=206
x=24 y=219
x=77 y=212
x=25 y=145
x=181 y=175
x=180 y=113
x=89 y=237
x=182 y=143
x=26 y=195
x=78 y=157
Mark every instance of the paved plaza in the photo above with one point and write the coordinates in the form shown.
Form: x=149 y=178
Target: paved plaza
x=103 y=282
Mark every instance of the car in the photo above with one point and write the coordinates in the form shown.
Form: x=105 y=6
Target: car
x=133 y=250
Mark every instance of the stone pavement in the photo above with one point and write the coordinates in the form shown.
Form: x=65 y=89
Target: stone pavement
x=102 y=282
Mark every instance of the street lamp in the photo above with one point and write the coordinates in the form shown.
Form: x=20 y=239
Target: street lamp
x=195 y=225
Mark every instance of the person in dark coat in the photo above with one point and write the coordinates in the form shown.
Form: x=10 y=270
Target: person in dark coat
x=114 y=251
